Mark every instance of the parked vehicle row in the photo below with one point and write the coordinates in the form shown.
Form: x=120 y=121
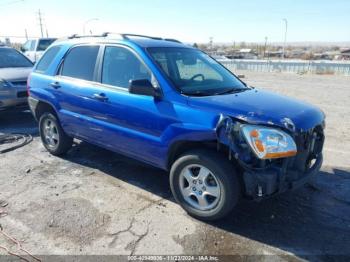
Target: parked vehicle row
x=174 y=107
x=14 y=71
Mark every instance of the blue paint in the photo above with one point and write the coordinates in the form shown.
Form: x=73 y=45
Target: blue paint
x=145 y=127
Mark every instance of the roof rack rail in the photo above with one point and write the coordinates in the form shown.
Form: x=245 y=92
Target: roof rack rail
x=124 y=36
x=172 y=40
x=127 y=36
x=82 y=36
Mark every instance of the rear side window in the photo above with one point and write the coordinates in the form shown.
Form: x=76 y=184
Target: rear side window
x=47 y=59
x=80 y=62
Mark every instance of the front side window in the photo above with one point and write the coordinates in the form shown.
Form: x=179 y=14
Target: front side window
x=12 y=58
x=47 y=58
x=120 y=66
x=80 y=62
x=194 y=72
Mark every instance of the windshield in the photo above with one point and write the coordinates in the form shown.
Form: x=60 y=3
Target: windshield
x=45 y=43
x=194 y=72
x=11 y=58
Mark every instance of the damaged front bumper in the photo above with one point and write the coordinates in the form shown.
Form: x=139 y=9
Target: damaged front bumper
x=268 y=182
x=263 y=178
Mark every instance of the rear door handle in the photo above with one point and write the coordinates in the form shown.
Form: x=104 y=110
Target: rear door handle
x=100 y=97
x=55 y=85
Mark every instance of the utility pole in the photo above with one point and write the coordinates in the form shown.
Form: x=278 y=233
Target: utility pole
x=285 y=37
x=26 y=34
x=211 y=40
x=265 y=46
x=40 y=23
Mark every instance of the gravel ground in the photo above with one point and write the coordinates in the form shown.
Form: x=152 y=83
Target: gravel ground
x=95 y=202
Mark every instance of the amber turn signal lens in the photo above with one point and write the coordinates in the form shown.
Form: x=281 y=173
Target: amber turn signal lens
x=254 y=133
x=281 y=154
x=259 y=146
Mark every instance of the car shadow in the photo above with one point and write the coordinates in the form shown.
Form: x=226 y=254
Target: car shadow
x=19 y=122
x=312 y=222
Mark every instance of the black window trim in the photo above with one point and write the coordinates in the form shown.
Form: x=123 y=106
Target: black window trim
x=97 y=79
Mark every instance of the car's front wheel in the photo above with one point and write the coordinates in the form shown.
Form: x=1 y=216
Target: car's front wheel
x=205 y=184
x=54 y=139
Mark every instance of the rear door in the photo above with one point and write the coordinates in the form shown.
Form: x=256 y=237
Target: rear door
x=74 y=88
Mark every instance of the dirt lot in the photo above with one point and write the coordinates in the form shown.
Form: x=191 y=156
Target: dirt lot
x=97 y=202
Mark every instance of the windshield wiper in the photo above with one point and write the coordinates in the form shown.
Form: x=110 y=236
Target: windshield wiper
x=198 y=93
x=207 y=93
x=232 y=91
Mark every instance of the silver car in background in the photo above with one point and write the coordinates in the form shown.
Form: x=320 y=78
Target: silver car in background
x=14 y=71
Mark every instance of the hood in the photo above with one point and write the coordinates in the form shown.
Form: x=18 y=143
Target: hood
x=14 y=73
x=262 y=107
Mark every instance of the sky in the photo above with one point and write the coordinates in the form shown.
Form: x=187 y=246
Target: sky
x=227 y=21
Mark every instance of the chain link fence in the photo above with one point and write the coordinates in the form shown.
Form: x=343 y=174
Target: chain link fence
x=300 y=67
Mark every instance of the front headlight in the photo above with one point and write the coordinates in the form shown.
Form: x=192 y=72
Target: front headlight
x=3 y=83
x=268 y=143
x=4 y=90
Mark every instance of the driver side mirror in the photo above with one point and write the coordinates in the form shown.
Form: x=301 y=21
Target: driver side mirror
x=143 y=87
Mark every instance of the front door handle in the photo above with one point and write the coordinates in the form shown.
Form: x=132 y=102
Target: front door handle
x=55 y=85
x=100 y=97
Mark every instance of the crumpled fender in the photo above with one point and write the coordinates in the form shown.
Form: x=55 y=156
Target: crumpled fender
x=224 y=132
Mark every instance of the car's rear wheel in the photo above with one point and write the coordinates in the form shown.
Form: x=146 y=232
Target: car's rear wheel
x=205 y=184
x=54 y=139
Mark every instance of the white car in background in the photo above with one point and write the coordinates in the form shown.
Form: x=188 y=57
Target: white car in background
x=35 y=48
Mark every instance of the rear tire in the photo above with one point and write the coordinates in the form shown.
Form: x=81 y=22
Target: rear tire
x=54 y=139
x=205 y=184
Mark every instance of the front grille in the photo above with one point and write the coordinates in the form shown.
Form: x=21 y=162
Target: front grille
x=22 y=94
x=19 y=83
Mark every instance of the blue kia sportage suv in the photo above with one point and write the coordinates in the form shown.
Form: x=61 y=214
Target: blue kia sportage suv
x=174 y=107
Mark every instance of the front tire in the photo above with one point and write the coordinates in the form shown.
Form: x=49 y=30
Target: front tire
x=54 y=139
x=205 y=184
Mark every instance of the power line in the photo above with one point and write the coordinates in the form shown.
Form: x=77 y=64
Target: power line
x=11 y=2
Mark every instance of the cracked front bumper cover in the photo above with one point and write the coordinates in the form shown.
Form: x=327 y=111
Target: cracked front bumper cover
x=269 y=182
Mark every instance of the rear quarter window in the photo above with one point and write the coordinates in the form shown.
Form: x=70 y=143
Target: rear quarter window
x=47 y=59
